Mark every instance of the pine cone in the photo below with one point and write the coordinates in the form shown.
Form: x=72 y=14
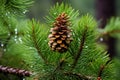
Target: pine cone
x=60 y=34
x=9 y=70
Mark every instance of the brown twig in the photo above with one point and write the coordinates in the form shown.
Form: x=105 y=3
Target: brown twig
x=102 y=67
x=80 y=48
x=59 y=66
x=80 y=76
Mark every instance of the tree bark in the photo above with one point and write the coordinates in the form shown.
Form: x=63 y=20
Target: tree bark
x=105 y=9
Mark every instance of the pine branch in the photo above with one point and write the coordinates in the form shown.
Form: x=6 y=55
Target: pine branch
x=59 y=66
x=112 y=28
x=70 y=73
x=110 y=32
x=6 y=24
x=80 y=48
x=102 y=67
x=10 y=31
x=14 y=71
x=79 y=75
x=35 y=43
x=17 y=6
x=60 y=8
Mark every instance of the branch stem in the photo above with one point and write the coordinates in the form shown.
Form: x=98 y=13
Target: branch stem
x=109 y=32
x=59 y=66
x=36 y=45
x=79 y=75
x=102 y=67
x=80 y=49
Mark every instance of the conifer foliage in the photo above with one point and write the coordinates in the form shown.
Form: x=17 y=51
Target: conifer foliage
x=24 y=45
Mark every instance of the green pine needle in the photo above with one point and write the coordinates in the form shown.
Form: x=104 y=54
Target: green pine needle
x=58 y=9
x=113 y=28
x=35 y=36
x=28 y=48
x=15 y=6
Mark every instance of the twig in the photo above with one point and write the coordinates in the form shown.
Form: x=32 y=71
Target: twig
x=102 y=67
x=14 y=71
x=59 y=66
x=109 y=32
x=80 y=49
x=79 y=75
x=36 y=45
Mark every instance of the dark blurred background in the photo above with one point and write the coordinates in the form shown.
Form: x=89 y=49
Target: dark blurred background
x=102 y=10
x=40 y=8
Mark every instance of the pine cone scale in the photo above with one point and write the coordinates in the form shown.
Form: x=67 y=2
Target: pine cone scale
x=60 y=34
